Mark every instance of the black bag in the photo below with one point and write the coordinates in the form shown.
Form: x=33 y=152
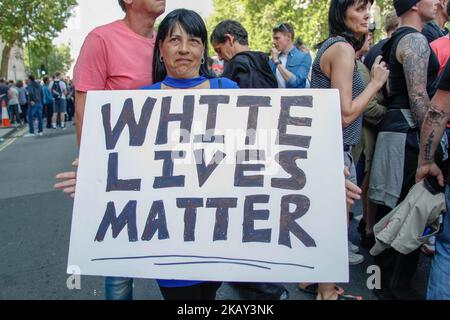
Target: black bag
x=56 y=90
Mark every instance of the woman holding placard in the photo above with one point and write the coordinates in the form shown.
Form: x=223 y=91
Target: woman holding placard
x=180 y=62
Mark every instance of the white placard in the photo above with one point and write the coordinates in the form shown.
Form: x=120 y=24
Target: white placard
x=150 y=206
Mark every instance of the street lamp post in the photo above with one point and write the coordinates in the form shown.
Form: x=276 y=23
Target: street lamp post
x=28 y=48
x=15 y=74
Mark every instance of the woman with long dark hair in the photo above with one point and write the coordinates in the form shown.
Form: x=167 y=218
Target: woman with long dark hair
x=335 y=67
x=170 y=57
x=180 y=62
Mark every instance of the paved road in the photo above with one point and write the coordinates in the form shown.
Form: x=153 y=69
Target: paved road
x=35 y=228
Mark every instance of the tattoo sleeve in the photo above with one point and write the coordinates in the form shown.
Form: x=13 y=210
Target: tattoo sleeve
x=415 y=53
x=432 y=130
x=429 y=147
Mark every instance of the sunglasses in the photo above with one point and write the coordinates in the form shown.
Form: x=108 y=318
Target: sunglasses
x=282 y=26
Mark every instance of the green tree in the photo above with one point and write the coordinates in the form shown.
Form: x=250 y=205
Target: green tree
x=385 y=6
x=40 y=20
x=54 y=58
x=308 y=17
x=382 y=8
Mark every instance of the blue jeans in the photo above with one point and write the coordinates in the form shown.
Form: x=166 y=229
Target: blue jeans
x=117 y=288
x=439 y=283
x=35 y=110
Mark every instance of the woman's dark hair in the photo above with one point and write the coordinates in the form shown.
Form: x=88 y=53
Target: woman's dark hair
x=122 y=5
x=193 y=24
x=336 y=21
x=210 y=62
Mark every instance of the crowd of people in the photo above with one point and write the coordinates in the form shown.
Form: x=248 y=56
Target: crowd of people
x=29 y=100
x=386 y=91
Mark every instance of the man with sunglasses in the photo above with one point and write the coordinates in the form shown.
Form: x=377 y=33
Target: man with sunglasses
x=290 y=65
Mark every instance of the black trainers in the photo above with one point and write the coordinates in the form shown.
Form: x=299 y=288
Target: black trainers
x=384 y=294
x=261 y=291
x=406 y=294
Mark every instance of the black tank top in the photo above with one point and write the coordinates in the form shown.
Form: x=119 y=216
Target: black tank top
x=398 y=95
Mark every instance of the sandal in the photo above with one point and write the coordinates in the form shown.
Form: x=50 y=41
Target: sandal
x=345 y=297
x=312 y=289
x=349 y=297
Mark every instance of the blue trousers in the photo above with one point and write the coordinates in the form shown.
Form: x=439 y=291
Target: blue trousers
x=117 y=288
x=32 y=112
x=439 y=282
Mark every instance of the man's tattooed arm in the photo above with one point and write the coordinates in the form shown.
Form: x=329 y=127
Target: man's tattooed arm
x=428 y=152
x=432 y=130
x=414 y=52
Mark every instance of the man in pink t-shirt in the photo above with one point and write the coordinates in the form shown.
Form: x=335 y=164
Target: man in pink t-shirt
x=116 y=56
x=119 y=55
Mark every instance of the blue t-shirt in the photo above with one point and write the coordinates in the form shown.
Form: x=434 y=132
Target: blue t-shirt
x=48 y=97
x=215 y=83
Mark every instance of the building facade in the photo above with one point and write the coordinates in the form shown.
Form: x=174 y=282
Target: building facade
x=16 y=69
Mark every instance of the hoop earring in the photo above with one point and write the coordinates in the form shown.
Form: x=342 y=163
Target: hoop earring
x=203 y=60
x=161 y=59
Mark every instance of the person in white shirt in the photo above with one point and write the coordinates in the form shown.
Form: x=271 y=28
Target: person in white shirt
x=13 y=104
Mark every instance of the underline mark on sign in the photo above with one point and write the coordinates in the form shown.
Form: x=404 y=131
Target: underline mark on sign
x=204 y=257
x=212 y=262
